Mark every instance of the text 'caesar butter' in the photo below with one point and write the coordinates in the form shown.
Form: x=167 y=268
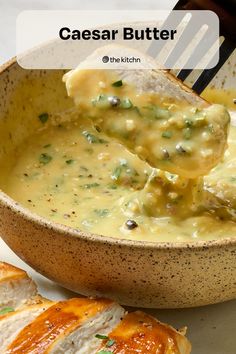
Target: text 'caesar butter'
x=128 y=33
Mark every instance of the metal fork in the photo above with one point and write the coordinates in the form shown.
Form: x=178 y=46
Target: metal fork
x=226 y=11
x=226 y=14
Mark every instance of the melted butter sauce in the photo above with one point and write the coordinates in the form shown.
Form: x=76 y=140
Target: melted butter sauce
x=76 y=176
x=168 y=133
x=225 y=97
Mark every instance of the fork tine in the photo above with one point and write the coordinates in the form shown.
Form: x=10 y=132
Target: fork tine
x=225 y=50
x=184 y=73
x=205 y=43
x=171 y=22
x=184 y=40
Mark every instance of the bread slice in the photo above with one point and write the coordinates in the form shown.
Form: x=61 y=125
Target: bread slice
x=68 y=327
x=152 y=113
x=142 y=333
x=159 y=81
x=16 y=287
x=13 y=322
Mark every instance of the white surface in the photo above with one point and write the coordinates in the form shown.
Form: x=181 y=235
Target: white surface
x=211 y=329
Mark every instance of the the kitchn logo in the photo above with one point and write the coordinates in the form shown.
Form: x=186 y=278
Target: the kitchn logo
x=123 y=59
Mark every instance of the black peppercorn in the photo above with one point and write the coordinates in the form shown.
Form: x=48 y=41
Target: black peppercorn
x=114 y=101
x=131 y=224
x=180 y=149
x=166 y=155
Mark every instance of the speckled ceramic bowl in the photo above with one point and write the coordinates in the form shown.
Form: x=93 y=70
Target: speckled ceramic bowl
x=161 y=275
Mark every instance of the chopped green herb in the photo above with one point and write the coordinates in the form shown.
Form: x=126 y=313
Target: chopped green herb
x=101 y=101
x=47 y=146
x=126 y=103
x=118 y=83
x=233 y=179
x=162 y=113
x=102 y=212
x=110 y=343
x=93 y=139
x=154 y=112
x=6 y=310
x=45 y=158
x=91 y=185
x=101 y=336
x=112 y=186
x=69 y=162
x=105 y=352
x=116 y=173
x=83 y=168
x=137 y=110
x=187 y=133
x=43 y=117
x=188 y=122
x=167 y=134
x=123 y=168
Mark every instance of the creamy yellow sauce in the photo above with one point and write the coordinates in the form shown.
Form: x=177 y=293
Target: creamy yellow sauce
x=74 y=175
x=168 y=133
x=226 y=97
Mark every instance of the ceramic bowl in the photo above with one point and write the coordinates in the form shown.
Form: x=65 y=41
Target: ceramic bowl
x=135 y=273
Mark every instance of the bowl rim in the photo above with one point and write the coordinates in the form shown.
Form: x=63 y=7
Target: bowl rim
x=14 y=206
